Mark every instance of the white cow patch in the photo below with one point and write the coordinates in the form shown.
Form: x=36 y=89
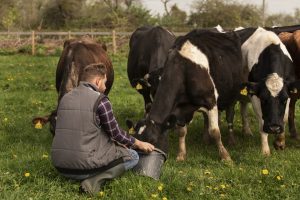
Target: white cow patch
x=141 y=129
x=274 y=84
x=219 y=28
x=257 y=42
x=191 y=52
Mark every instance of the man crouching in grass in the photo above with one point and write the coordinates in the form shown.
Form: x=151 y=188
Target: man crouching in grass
x=89 y=145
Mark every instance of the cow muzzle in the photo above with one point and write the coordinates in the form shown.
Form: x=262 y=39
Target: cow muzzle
x=274 y=129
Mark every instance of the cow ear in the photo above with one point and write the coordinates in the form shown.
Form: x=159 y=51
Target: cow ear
x=294 y=87
x=170 y=122
x=129 y=123
x=249 y=88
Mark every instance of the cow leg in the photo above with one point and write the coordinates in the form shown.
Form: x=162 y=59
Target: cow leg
x=279 y=143
x=214 y=132
x=245 y=121
x=264 y=136
x=292 y=127
x=229 y=118
x=206 y=137
x=182 y=131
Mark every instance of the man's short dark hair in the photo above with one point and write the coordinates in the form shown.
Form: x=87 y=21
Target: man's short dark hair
x=93 y=70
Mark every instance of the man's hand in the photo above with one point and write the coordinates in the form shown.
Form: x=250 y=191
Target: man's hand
x=144 y=146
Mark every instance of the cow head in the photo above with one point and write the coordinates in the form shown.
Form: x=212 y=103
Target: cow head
x=150 y=131
x=273 y=94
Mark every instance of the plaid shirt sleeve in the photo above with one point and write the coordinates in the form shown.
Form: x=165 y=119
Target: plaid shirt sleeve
x=110 y=125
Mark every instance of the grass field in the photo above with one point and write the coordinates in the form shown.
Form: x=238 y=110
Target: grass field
x=27 y=90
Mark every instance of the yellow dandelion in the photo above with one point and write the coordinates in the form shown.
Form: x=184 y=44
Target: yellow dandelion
x=160 y=187
x=189 y=189
x=265 y=172
x=44 y=156
x=164 y=198
x=154 y=195
x=38 y=125
x=222 y=195
x=27 y=174
x=101 y=193
x=216 y=188
x=5 y=119
x=15 y=156
x=283 y=186
x=206 y=172
x=222 y=186
x=279 y=177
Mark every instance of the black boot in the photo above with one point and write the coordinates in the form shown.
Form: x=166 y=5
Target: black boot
x=93 y=184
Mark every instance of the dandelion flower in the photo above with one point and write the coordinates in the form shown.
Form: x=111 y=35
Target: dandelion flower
x=44 y=156
x=189 y=189
x=15 y=156
x=5 y=119
x=160 y=187
x=164 y=198
x=279 y=177
x=154 y=195
x=265 y=172
x=222 y=186
x=222 y=195
x=101 y=193
x=38 y=125
x=27 y=174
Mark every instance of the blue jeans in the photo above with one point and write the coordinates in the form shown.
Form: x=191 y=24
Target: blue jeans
x=128 y=164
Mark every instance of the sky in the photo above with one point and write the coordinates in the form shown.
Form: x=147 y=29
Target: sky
x=272 y=6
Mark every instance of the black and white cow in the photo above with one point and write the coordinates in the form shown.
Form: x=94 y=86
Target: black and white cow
x=149 y=46
x=271 y=77
x=202 y=73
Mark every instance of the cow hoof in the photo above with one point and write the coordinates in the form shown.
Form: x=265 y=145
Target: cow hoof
x=266 y=153
x=180 y=157
x=224 y=155
x=279 y=145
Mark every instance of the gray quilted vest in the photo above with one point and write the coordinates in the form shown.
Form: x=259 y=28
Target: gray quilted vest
x=79 y=142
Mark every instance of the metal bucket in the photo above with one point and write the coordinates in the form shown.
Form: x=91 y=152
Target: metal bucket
x=150 y=164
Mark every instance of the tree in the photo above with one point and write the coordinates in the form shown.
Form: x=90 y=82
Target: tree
x=9 y=18
x=175 y=18
x=227 y=13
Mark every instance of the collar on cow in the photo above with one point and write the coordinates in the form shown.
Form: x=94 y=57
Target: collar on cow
x=90 y=85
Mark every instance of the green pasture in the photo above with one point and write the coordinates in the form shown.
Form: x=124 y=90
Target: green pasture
x=27 y=89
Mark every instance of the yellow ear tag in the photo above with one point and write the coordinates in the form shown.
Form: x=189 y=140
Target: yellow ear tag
x=138 y=86
x=38 y=125
x=131 y=131
x=244 y=91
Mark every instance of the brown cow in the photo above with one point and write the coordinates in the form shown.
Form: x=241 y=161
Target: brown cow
x=292 y=43
x=77 y=54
